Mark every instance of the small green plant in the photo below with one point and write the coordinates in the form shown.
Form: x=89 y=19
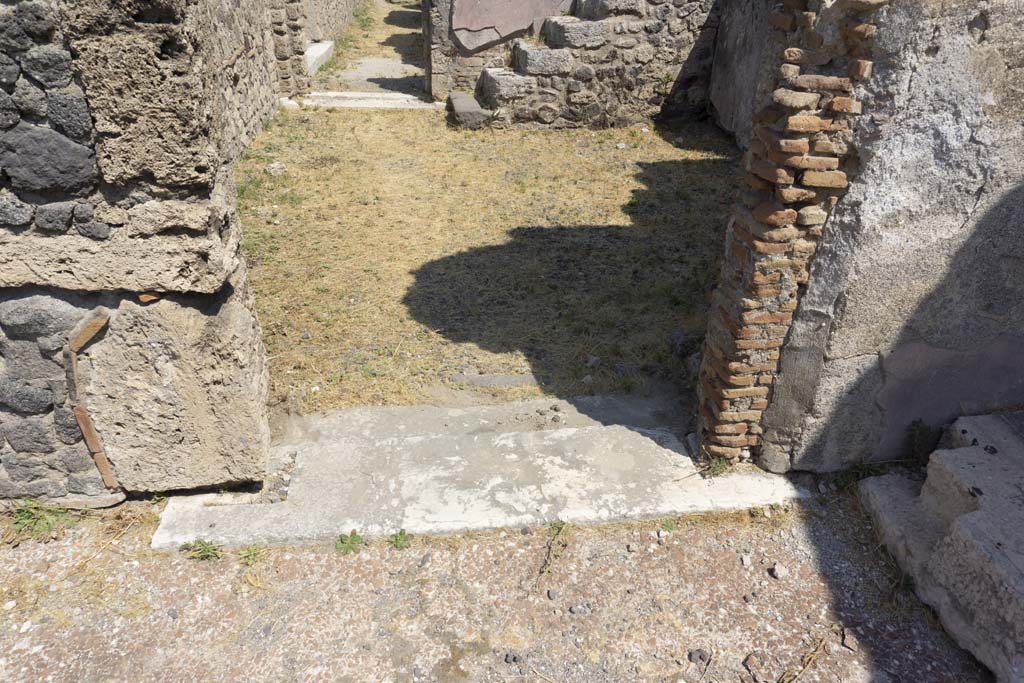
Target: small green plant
x=716 y=467
x=252 y=555
x=202 y=550
x=350 y=544
x=669 y=525
x=399 y=541
x=41 y=522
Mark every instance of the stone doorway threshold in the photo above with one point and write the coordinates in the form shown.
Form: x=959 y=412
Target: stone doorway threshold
x=432 y=470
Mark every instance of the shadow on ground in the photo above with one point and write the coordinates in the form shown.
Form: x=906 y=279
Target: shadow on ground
x=593 y=308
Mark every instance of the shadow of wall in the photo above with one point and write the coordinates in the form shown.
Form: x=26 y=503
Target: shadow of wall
x=593 y=308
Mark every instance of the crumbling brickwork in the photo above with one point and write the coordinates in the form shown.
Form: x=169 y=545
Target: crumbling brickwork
x=798 y=167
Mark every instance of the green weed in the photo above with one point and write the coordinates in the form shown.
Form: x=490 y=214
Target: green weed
x=41 y=522
x=400 y=540
x=350 y=544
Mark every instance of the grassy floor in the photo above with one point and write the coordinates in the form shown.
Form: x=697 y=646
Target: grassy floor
x=397 y=252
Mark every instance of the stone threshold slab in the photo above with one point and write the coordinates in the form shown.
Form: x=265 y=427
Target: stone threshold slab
x=443 y=471
x=359 y=100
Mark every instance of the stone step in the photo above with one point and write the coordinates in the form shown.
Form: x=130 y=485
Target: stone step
x=602 y=9
x=531 y=59
x=960 y=536
x=573 y=32
x=432 y=470
x=498 y=87
x=466 y=112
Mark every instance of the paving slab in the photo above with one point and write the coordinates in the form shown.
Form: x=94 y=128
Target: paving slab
x=432 y=470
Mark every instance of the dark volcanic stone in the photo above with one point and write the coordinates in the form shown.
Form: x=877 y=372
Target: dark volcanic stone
x=54 y=217
x=39 y=159
x=68 y=112
x=48 y=64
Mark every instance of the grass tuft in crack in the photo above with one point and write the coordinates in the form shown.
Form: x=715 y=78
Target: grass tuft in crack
x=40 y=522
x=202 y=550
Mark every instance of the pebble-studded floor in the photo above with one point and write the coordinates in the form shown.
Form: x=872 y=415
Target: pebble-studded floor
x=743 y=597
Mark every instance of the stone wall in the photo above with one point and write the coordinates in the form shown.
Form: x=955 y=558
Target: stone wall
x=611 y=63
x=844 y=314
x=130 y=358
x=326 y=18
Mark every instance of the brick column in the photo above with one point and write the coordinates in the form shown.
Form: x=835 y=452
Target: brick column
x=798 y=168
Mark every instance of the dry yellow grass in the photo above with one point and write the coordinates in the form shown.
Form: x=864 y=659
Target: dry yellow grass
x=396 y=252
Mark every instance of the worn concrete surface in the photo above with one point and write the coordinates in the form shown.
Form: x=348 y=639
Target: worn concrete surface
x=960 y=536
x=440 y=470
x=606 y=604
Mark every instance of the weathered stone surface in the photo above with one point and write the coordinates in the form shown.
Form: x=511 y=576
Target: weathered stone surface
x=74 y=458
x=915 y=306
x=23 y=397
x=23 y=360
x=478 y=23
x=160 y=263
x=13 y=37
x=29 y=99
x=952 y=536
x=600 y=9
x=36 y=316
x=14 y=213
x=499 y=86
x=538 y=60
x=40 y=159
x=68 y=112
x=745 y=61
x=96 y=230
x=55 y=217
x=30 y=435
x=153 y=218
x=35 y=19
x=183 y=372
x=466 y=111
x=9 y=114
x=65 y=425
x=9 y=72
x=562 y=32
x=48 y=64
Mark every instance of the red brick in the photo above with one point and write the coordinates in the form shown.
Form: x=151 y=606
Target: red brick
x=770 y=172
x=815 y=82
x=790 y=195
x=861 y=69
x=830 y=179
x=805 y=162
x=807 y=124
x=847 y=105
x=770 y=213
